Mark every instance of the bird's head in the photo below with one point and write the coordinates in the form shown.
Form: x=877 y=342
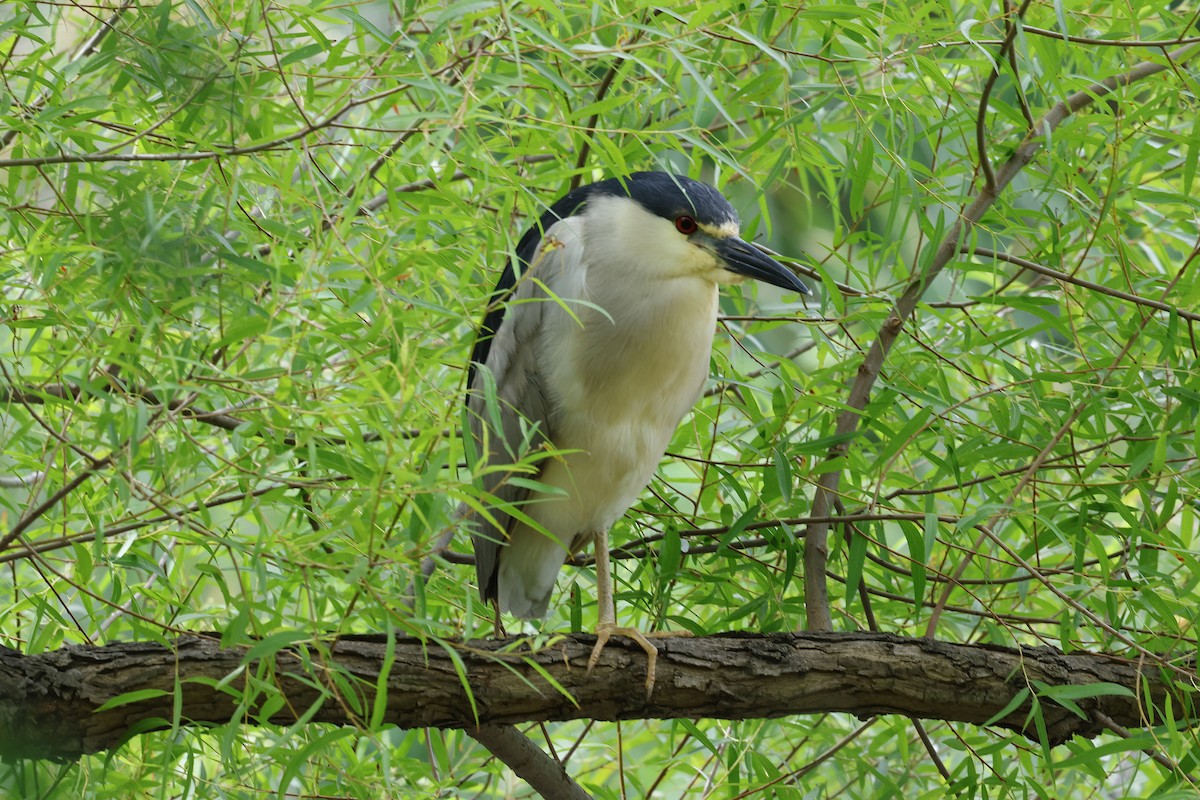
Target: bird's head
x=677 y=226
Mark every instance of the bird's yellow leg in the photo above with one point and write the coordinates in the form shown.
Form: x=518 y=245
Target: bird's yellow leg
x=606 y=627
x=499 y=630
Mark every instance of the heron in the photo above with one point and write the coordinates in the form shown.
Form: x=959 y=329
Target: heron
x=596 y=344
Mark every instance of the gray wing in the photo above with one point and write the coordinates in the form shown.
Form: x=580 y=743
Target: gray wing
x=519 y=421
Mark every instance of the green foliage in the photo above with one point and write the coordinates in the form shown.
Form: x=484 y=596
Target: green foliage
x=244 y=248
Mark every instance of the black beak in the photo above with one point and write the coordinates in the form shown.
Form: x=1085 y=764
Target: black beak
x=745 y=259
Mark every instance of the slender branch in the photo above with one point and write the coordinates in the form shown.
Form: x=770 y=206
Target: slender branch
x=1157 y=44
x=27 y=549
x=816 y=547
x=202 y=155
x=1033 y=266
x=34 y=514
x=1000 y=514
x=1155 y=753
x=380 y=200
x=31 y=395
x=86 y=49
x=1006 y=49
x=590 y=128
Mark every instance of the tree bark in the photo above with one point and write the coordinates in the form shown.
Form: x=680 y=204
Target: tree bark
x=545 y=775
x=50 y=703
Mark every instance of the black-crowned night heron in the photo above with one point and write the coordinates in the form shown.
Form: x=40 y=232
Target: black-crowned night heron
x=598 y=342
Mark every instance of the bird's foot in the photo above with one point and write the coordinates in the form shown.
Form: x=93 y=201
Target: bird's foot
x=606 y=631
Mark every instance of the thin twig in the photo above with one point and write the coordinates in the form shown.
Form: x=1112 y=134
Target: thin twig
x=1033 y=266
x=85 y=50
x=590 y=128
x=987 y=530
x=1010 y=33
x=1123 y=732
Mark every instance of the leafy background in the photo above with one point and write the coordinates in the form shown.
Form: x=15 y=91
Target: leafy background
x=244 y=247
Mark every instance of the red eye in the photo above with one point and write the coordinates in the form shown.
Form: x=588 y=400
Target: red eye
x=686 y=225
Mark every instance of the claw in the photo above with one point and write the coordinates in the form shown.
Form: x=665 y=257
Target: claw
x=606 y=626
x=604 y=632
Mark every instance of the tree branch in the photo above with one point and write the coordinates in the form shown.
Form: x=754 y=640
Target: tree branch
x=546 y=776
x=88 y=47
x=816 y=545
x=1033 y=266
x=51 y=703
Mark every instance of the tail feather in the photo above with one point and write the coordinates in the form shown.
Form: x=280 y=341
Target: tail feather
x=529 y=567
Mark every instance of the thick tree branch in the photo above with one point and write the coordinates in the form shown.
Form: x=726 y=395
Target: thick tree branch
x=50 y=704
x=546 y=776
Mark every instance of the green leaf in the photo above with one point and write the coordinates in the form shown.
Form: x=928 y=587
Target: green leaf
x=854 y=565
x=272 y=644
x=1016 y=702
x=135 y=696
